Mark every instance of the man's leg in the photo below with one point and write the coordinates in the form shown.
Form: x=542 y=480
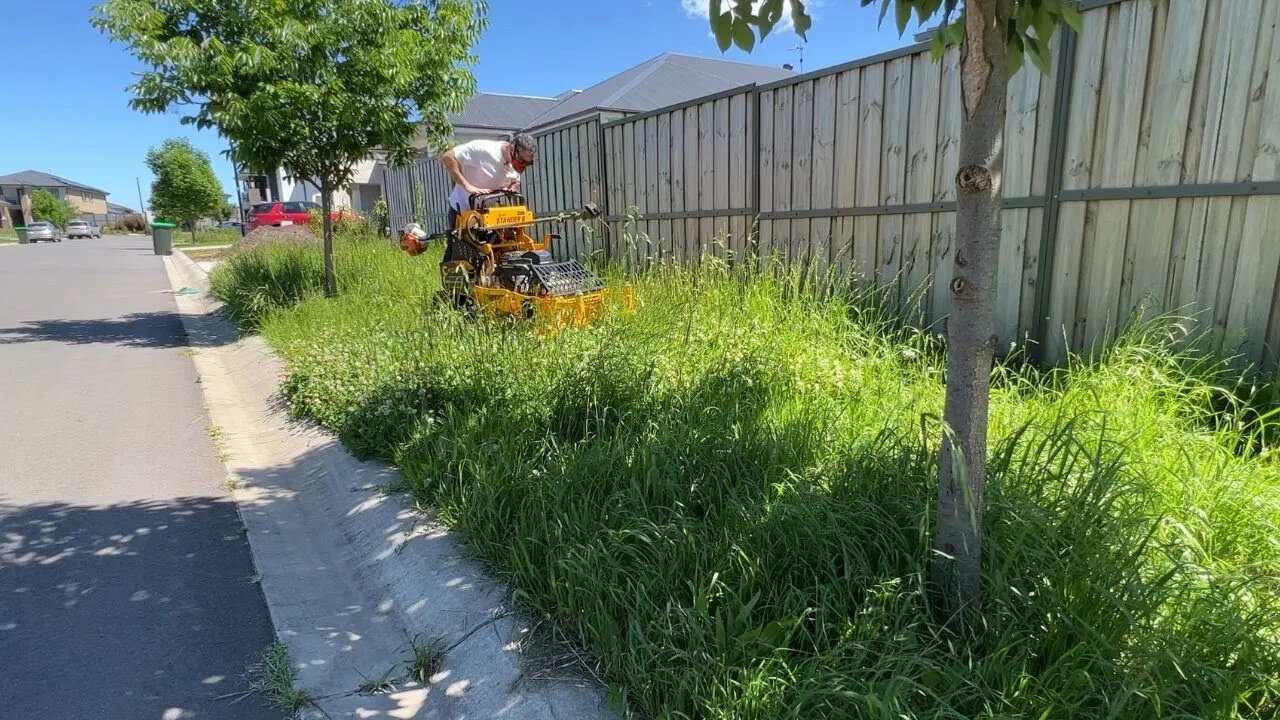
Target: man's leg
x=448 y=243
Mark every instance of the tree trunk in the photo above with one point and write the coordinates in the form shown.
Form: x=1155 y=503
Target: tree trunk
x=330 y=280
x=957 y=560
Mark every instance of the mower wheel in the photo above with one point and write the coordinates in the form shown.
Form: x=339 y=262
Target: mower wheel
x=465 y=303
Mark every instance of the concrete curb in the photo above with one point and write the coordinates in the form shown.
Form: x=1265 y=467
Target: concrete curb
x=349 y=573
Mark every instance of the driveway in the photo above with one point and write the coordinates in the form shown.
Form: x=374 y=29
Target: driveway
x=126 y=585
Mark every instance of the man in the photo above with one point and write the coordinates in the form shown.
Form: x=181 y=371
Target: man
x=482 y=166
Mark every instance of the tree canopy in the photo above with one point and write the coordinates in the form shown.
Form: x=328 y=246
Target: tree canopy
x=311 y=86
x=47 y=206
x=185 y=188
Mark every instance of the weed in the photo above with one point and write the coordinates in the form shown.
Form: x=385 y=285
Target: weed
x=386 y=682
x=232 y=483
x=275 y=678
x=727 y=496
x=219 y=442
x=425 y=658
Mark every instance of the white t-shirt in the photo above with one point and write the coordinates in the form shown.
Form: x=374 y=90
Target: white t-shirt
x=481 y=164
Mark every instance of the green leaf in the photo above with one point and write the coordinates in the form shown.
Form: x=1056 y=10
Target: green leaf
x=1014 y=56
x=743 y=36
x=767 y=16
x=925 y=9
x=1044 y=24
x=722 y=28
x=1039 y=51
x=902 y=16
x=1072 y=17
x=800 y=19
x=937 y=46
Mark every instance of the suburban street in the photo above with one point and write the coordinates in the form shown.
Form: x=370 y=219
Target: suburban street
x=126 y=584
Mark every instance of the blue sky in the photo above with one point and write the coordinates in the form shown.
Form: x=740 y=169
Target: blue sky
x=67 y=112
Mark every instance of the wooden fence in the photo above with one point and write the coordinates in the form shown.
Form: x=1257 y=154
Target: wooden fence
x=1141 y=175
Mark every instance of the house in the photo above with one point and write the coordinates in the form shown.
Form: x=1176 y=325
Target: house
x=15 y=196
x=667 y=79
x=117 y=212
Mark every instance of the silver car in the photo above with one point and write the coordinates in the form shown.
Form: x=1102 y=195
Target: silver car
x=43 y=230
x=82 y=229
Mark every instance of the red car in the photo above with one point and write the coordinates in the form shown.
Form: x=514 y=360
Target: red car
x=275 y=214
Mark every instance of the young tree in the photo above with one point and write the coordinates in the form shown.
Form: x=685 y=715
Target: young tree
x=185 y=188
x=993 y=37
x=313 y=86
x=47 y=206
x=228 y=210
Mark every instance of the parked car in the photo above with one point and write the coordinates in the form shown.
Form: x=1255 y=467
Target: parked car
x=275 y=214
x=83 y=229
x=231 y=224
x=43 y=230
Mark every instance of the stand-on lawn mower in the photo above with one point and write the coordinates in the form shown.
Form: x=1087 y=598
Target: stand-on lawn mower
x=492 y=263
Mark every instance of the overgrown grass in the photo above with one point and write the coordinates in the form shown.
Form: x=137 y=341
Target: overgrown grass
x=727 y=495
x=212 y=236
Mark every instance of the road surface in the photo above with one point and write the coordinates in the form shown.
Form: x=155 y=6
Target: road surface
x=126 y=585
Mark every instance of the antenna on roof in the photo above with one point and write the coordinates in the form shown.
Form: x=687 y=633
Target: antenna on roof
x=800 y=49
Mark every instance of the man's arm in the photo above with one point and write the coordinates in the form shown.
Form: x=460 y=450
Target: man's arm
x=450 y=162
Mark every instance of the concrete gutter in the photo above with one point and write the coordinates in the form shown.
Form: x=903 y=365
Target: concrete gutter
x=351 y=574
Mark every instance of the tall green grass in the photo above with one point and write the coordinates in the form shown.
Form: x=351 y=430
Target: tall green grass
x=727 y=495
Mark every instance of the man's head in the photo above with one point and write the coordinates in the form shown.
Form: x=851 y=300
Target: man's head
x=523 y=151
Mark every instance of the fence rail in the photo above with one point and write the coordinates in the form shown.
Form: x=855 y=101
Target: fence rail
x=1141 y=175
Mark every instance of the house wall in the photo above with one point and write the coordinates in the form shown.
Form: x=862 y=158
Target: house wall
x=87 y=202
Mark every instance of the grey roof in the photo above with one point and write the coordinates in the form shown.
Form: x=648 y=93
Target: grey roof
x=37 y=179
x=501 y=111
x=667 y=79
x=114 y=208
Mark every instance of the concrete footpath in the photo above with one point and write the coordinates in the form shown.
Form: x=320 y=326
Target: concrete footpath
x=352 y=575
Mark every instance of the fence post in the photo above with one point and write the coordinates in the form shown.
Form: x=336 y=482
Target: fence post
x=753 y=231
x=1053 y=191
x=605 y=208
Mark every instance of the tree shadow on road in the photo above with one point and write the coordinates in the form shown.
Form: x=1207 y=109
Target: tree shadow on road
x=163 y=329
x=139 y=609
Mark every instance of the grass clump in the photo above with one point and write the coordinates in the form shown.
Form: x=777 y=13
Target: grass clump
x=251 y=284
x=727 y=495
x=275 y=679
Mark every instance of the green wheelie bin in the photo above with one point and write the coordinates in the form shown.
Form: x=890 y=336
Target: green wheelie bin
x=162 y=237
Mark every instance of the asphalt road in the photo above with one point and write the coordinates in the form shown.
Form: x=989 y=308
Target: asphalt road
x=126 y=584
